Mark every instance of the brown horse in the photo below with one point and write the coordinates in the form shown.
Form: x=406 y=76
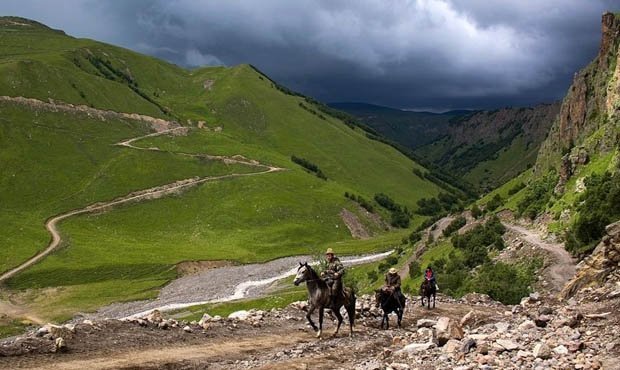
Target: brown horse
x=427 y=289
x=319 y=298
x=389 y=302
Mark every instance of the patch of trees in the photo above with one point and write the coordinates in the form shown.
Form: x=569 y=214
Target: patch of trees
x=438 y=206
x=597 y=207
x=312 y=111
x=469 y=269
x=309 y=166
x=494 y=203
x=517 y=188
x=455 y=226
x=400 y=216
x=363 y=202
x=476 y=212
x=538 y=193
x=476 y=243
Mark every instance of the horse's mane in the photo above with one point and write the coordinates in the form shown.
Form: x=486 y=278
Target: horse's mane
x=312 y=272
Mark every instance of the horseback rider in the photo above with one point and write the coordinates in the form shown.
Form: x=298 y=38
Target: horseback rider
x=429 y=275
x=333 y=273
x=392 y=281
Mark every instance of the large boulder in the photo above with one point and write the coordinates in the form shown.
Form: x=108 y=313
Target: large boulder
x=447 y=329
x=239 y=315
x=426 y=323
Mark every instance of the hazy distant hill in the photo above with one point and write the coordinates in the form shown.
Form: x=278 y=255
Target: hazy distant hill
x=411 y=129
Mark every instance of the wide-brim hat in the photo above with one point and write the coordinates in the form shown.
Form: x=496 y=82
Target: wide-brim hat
x=392 y=271
x=329 y=251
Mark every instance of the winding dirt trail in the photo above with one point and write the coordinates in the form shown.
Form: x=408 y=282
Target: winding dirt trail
x=563 y=268
x=145 y=194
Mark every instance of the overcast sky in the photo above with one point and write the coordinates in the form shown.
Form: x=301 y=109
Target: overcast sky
x=417 y=54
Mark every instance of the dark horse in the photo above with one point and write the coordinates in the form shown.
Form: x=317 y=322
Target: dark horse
x=388 y=303
x=427 y=289
x=319 y=298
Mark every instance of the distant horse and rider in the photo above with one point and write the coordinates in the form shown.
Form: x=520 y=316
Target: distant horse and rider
x=326 y=291
x=428 y=288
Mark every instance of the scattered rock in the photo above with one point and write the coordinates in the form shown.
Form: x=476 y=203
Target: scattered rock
x=468 y=319
x=239 y=315
x=447 y=329
x=467 y=344
x=417 y=347
x=426 y=323
x=542 y=350
x=507 y=344
x=60 y=345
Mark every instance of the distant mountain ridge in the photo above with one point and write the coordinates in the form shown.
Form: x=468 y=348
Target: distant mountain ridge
x=409 y=128
x=485 y=148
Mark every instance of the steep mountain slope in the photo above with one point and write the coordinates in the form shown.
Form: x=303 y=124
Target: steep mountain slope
x=574 y=186
x=411 y=129
x=489 y=148
x=58 y=155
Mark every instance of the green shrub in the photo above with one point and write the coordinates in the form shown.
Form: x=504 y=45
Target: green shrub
x=414 y=269
x=455 y=225
x=476 y=212
x=538 y=193
x=517 y=188
x=494 y=203
x=597 y=207
x=309 y=166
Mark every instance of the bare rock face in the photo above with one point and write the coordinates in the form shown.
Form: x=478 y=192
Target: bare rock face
x=599 y=266
x=590 y=105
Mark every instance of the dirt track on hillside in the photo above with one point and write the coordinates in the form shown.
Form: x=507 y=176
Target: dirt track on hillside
x=161 y=127
x=562 y=267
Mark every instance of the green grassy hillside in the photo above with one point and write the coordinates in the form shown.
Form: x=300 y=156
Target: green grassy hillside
x=59 y=161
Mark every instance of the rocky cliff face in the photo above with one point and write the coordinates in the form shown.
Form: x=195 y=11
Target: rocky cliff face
x=590 y=113
x=601 y=268
x=492 y=126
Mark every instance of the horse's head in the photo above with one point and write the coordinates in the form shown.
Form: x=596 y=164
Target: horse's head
x=303 y=273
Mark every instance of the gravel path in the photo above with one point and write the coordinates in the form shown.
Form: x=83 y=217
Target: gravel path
x=563 y=268
x=219 y=285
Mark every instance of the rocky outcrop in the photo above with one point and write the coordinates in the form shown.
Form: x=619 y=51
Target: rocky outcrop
x=589 y=116
x=157 y=124
x=602 y=266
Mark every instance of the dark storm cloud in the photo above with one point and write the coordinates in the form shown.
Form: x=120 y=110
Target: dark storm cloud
x=424 y=53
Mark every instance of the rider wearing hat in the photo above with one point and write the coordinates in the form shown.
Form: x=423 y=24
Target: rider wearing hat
x=333 y=272
x=392 y=282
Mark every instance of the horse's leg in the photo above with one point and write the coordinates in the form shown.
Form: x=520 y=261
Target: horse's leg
x=321 y=312
x=399 y=313
x=434 y=297
x=309 y=316
x=340 y=319
x=351 y=314
x=428 y=299
x=387 y=319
